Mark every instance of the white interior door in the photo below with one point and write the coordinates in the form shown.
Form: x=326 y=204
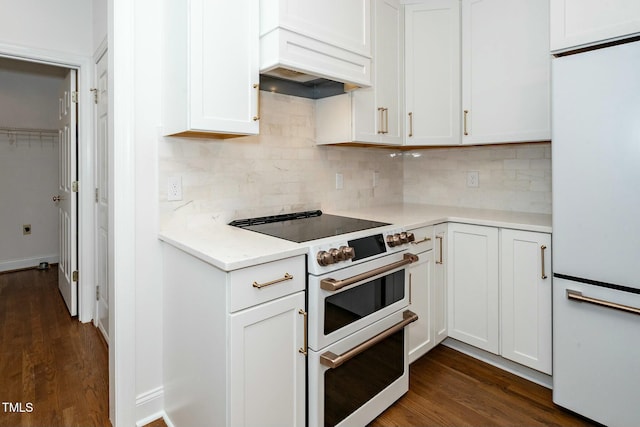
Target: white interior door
x=102 y=198
x=66 y=198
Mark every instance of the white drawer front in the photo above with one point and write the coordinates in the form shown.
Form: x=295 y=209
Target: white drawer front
x=424 y=239
x=265 y=282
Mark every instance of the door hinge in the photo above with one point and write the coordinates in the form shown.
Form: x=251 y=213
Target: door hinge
x=97 y=193
x=95 y=94
x=74 y=186
x=74 y=96
x=97 y=293
x=74 y=276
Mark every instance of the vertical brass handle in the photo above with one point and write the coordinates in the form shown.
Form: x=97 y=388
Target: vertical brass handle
x=466 y=112
x=380 y=117
x=257 y=88
x=386 y=120
x=410 y=287
x=440 y=243
x=542 y=248
x=303 y=350
x=410 y=124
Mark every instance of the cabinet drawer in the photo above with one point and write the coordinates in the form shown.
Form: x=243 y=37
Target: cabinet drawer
x=424 y=239
x=265 y=282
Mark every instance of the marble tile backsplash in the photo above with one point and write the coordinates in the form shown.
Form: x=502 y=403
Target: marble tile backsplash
x=281 y=170
x=511 y=177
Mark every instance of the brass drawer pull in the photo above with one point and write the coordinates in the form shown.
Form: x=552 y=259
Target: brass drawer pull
x=333 y=360
x=410 y=125
x=303 y=350
x=466 y=113
x=286 y=277
x=440 y=241
x=257 y=88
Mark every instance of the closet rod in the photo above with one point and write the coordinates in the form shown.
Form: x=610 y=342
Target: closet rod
x=12 y=130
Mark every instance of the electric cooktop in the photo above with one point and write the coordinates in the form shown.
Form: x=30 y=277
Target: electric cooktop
x=305 y=226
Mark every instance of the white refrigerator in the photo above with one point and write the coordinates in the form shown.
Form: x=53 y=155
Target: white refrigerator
x=596 y=233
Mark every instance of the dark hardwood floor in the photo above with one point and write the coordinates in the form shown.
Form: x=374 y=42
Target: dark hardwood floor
x=53 y=369
x=448 y=388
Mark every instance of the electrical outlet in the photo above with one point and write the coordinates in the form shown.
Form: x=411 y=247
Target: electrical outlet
x=174 y=188
x=473 y=179
x=26 y=229
x=339 y=181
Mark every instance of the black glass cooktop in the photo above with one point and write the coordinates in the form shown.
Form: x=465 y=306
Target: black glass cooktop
x=305 y=226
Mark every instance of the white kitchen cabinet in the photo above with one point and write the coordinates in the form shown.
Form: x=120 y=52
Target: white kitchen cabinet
x=582 y=23
x=439 y=283
x=421 y=332
x=506 y=70
x=330 y=39
x=232 y=357
x=210 y=68
x=432 y=73
x=473 y=285
x=266 y=364
x=372 y=115
x=525 y=300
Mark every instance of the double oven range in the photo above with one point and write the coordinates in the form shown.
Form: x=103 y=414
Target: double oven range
x=357 y=299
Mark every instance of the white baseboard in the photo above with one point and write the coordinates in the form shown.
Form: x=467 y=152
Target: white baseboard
x=502 y=363
x=150 y=406
x=17 y=264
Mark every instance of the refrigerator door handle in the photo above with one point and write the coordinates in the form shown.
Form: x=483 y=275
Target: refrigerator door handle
x=577 y=296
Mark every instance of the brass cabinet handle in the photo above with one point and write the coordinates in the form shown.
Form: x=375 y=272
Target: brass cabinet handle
x=380 y=114
x=542 y=248
x=303 y=350
x=334 y=285
x=410 y=287
x=417 y=242
x=333 y=360
x=386 y=120
x=440 y=242
x=577 y=296
x=256 y=86
x=410 y=124
x=466 y=112
x=286 y=277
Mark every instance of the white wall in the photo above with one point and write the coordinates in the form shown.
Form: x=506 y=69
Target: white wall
x=28 y=164
x=99 y=27
x=62 y=25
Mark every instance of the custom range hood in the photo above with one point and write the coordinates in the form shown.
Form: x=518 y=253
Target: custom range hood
x=306 y=51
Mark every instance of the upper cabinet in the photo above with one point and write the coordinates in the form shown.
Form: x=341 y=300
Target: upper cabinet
x=477 y=72
x=432 y=72
x=210 y=68
x=330 y=39
x=372 y=115
x=582 y=23
x=506 y=66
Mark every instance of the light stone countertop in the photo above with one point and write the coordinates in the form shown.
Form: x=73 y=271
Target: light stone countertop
x=229 y=248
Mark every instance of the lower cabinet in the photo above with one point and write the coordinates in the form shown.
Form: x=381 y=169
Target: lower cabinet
x=427 y=292
x=267 y=365
x=525 y=300
x=499 y=289
x=473 y=286
x=232 y=348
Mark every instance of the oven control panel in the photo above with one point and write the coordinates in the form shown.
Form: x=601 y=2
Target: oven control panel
x=333 y=255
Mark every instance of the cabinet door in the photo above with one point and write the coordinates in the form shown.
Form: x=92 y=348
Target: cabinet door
x=420 y=295
x=505 y=71
x=439 y=284
x=579 y=23
x=267 y=372
x=377 y=111
x=211 y=68
x=526 y=298
x=472 y=280
x=432 y=73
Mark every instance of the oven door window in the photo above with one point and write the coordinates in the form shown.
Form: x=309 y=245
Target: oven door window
x=352 y=384
x=360 y=301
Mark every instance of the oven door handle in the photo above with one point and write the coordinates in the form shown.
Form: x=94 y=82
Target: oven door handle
x=334 y=285
x=332 y=360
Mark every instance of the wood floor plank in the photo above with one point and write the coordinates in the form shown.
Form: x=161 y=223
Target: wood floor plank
x=47 y=358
